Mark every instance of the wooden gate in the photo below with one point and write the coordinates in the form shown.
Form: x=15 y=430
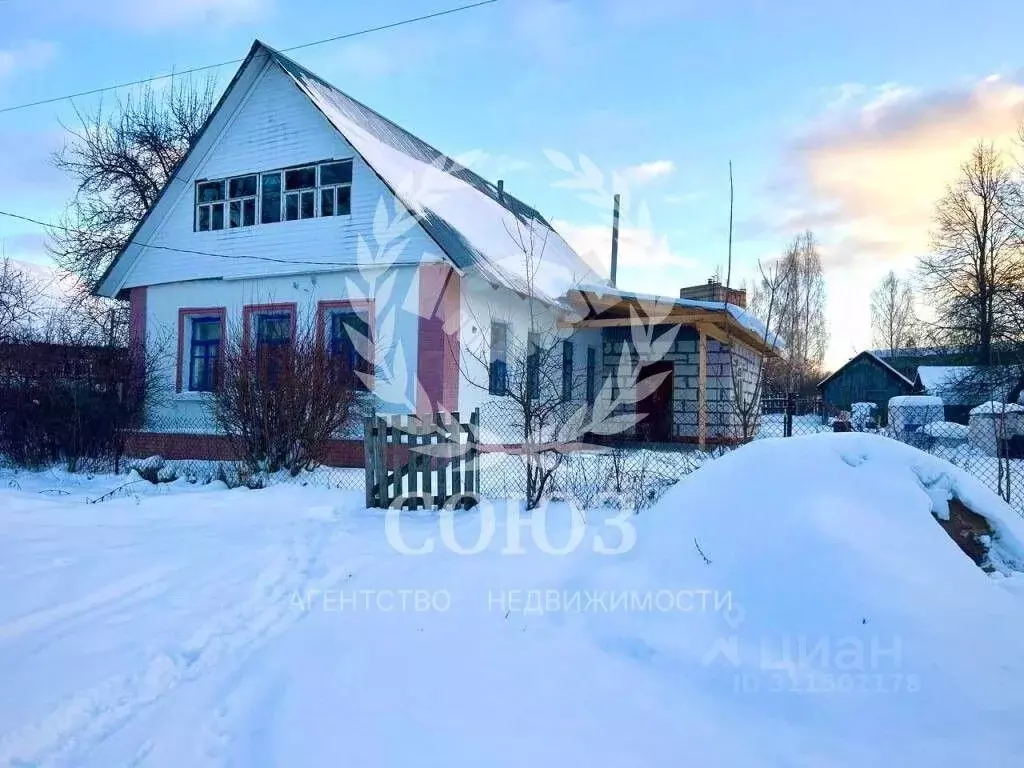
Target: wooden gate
x=416 y=461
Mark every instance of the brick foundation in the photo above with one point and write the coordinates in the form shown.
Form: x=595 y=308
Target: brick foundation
x=181 y=445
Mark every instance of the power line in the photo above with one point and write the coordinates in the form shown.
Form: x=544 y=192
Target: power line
x=192 y=70
x=184 y=250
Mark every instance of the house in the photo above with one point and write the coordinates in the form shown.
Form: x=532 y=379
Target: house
x=866 y=378
x=298 y=204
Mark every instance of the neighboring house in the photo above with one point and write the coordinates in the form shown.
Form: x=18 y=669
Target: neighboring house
x=298 y=204
x=866 y=378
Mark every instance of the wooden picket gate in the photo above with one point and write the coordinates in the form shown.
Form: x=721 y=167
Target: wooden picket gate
x=416 y=461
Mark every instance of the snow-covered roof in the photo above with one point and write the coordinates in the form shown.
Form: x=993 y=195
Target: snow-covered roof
x=915 y=401
x=937 y=378
x=479 y=227
x=742 y=316
x=916 y=352
x=947 y=429
x=967 y=384
x=995 y=407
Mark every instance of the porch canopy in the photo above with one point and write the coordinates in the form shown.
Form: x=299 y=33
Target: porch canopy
x=600 y=306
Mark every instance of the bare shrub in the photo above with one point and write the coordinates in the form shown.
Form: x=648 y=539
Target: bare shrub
x=280 y=406
x=70 y=404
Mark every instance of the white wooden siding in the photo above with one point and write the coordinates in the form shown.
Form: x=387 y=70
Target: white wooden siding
x=396 y=330
x=274 y=126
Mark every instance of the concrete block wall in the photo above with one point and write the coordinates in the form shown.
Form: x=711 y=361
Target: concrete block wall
x=723 y=421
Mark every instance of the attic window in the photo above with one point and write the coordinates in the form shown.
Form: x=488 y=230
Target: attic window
x=242 y=205
x=336 y=188
x=300 y=193
x=210 y=205
x=227 y=202
x=320 y=189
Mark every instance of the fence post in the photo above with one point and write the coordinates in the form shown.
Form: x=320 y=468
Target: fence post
x=787 y=425
x=369 y=456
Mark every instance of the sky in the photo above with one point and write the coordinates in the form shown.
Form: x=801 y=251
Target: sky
x=845 y=118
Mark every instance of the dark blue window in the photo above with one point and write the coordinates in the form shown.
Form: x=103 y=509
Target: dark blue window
x=498 y=372
x=203 y=353
x=351 y=345
x=567 y=355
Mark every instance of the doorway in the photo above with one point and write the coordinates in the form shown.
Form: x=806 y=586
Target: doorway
x=655 y=410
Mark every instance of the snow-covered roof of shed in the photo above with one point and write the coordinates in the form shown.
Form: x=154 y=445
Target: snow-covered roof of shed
x=744 y=318
x=915 y=401
x=479 y=227
x=936 y=378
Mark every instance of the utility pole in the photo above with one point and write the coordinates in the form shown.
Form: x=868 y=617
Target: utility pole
x=615 y=240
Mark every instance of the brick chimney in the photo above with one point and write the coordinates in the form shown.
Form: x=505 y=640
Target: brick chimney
x=713 y=290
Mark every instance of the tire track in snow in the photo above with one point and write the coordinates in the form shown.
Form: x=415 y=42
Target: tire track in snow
x=92 y=715
x=116 y=591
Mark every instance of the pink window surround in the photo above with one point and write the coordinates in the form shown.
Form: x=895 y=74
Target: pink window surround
x=324 y=308
x=438 y=346
x=183 y=315
x=250 y=310
x=137 y=320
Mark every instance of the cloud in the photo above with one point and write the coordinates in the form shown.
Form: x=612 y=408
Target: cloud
x=32 y=54
x=639 y=249
x=160 y=14
x=646 y=172
x=867 y=173
x=26 y=173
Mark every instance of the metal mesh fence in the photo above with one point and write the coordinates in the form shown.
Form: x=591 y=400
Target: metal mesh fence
x=621 y=469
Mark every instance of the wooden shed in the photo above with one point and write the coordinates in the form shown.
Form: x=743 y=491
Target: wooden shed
x=864 y=379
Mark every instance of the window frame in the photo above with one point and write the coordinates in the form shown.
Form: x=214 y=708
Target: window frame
x=241 y=200
x=185 y=317
x=250 y=313
x=250 y=326
x=326 y=310
x=316 y=192
x=334 y=188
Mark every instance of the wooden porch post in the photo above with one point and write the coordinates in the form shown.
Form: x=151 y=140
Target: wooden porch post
x=702 y=390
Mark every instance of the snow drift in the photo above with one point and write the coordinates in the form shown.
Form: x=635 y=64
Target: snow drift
x=795 y=603
x=857 y=632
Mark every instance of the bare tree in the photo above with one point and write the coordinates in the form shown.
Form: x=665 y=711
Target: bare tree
x=799 y=306
x=974 y=272
x=533 y=389
x=18 y=301
x=748 y=373
x=893 y=319
x=120 y=161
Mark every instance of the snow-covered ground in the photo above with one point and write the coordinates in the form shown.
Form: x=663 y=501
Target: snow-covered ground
x=793 y=603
